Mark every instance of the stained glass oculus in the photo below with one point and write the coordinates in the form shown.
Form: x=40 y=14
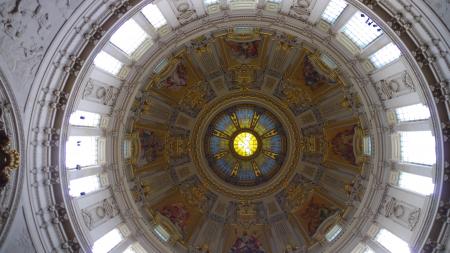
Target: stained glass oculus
x=245 y=145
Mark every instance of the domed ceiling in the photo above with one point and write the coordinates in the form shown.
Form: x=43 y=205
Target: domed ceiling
x=217 y=140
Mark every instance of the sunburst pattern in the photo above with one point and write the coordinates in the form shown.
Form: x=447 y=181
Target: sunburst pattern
x=245 y=145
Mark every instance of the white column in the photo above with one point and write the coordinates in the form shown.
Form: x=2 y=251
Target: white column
x=377 y=247
x=261 y=3
x=117 y=53
x=122 y=246
x=395 y=228
x=89 y=106
x=85 y=131
x=376 y=45
x=92 y=198
x=412 y=198
x=143 y=22
x=84 y=172
x=422 y=170
x=104 y=228
x=405 y=100
x=390 y=69
x=421 y=125
x=345 y=16
x=285 y=6
x=105 y=77
x=317 y=11
x=199 y=7
x=168 y=13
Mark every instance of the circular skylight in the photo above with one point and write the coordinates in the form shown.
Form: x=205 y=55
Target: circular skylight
x=245 y=145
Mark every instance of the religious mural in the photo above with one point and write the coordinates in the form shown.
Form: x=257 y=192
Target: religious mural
x=306 y=82
x=151 y=146
x=185 y=206
x=177 y=214
x=247 y=243
x=244 y=50
x=342 y=144
x=180 y=84
x=312 y=77
x=295 y=194
x=314 y=212
x=177 y=79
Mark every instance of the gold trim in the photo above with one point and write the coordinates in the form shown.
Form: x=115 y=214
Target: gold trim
x=288 y=168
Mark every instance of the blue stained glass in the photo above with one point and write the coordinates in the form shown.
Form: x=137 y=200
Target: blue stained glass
x=217 y=144
x=265 y=123
x=225 y=125
x=245 y=116
x=266 y=167
x=257 y=167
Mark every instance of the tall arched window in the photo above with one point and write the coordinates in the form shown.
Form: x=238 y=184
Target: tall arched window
x=412 y=113
x=391 y=242
x=108 y=241
x=81 y=151
x=417 y=147
x=82 y=118
x=416 y=183
x=84 y=185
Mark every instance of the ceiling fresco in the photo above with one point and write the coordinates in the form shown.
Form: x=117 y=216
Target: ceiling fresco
x=246 y=141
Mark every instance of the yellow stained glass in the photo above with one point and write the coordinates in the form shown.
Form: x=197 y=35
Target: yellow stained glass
x=245 y=144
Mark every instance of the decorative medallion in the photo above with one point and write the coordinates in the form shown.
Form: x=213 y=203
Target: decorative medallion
x=245 y=145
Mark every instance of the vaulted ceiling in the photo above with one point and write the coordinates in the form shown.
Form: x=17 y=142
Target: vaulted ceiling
x=226 y=126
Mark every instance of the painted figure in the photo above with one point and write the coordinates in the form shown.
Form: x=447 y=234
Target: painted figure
x=244 y=50
x=315 y=214
x=177 y=214
x=312 y=77
x=247 y=244
x=177 y=79
x=342 y=145
x=151 y=146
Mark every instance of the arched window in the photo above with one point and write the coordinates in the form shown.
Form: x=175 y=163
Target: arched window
x=162 y=233
x=391 y=242
x=108 y=63
x=108 y=241
x=412 y=113
x=385 y=55
x=135 y=248
x=417 y=147
x=333 y=233
x=242 y=4
x=82 y=118
x=129 y=37
x=154 y=16
x=362 y=248
x=333 y=10
x=210 y=2
x=416 y=183
x=361 y=30
x=84 y=185
x=81 y=151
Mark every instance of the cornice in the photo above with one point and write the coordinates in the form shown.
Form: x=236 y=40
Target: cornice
x=77 y=45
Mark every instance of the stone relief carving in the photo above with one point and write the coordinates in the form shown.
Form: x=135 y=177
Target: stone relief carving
x=185 y=11
x=27 y=27
x=99 y=213
x=9 y=157
x=396 y=86
x=300 y=9
x=401 y=212
x=102 y=94
x=441 y=8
